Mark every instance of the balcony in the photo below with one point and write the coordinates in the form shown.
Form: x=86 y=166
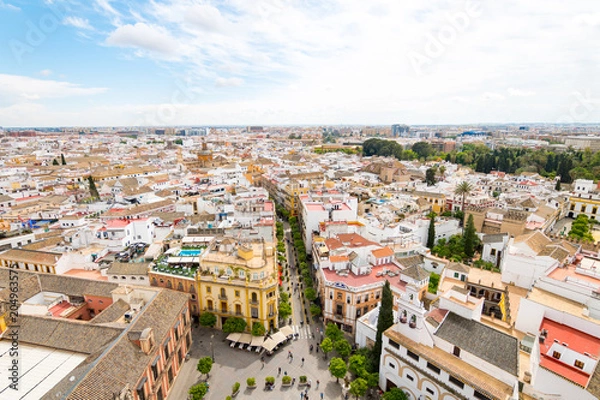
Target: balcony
x=254 y=302
x=222 y=297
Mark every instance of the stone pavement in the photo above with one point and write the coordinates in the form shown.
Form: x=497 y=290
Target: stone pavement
x=235 y=365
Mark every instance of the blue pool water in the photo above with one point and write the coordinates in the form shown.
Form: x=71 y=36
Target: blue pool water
x=190 y=253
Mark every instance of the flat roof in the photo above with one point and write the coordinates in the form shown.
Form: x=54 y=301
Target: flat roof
x=40 y=369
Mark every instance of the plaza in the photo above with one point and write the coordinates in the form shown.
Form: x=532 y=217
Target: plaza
x=236 y=365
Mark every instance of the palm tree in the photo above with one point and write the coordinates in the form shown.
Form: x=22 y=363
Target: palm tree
x=463 y=189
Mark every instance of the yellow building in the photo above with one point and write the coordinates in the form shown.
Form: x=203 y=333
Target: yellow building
x=588 y=204
x=239 y=279
x=437 y=201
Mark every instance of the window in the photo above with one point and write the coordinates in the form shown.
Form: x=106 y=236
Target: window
x=392 y=365
x=456 y=351
x=155 y=367
x=140 y=390
x=208 y=289
x=428 y=390
x=456 y=274
x=456 y=382
x=433 y=368
x=493 y=252
x=394 y=344
x=209 y=304
x=166 y=348
x=377 y=295
x=358 y=312
x=339 y=309
x=348 y=299
x=254 y=312
x=237 y=293
x=412 y=355
x=410 y=377
x=255 y=276
x=579 y=364
x=556 y=355
x=365 y=309
x=339 y=296
x=481 y=396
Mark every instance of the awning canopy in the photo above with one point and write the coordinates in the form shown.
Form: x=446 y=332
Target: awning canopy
x=287 y=330
x=257 y=341
x=269 y=344
x=234 y=337
x=279 y=337
x=245 y=338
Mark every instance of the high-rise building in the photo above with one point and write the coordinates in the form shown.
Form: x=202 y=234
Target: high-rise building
x=400 y=130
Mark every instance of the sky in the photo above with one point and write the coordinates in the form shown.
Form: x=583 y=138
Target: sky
x=298 y=62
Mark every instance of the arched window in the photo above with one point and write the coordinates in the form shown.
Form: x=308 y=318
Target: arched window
x=180 y=287
x=169 y=284
x=254 y=297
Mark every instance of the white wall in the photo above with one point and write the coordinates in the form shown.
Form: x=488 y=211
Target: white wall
x=548 y=382
x=524 y=270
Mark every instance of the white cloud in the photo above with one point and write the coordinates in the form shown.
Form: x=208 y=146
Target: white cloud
x=228 y=82
x=46 y=72
x=77 y=22
x=492 y=96
x=151 y=38
x=16 y=88
x=520 y=92
x=8 y=6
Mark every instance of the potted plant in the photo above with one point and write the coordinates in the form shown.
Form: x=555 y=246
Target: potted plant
x=286 y=380
x=413 y=322
x=302 y=381
x=269 y=382
x=403 y=317
x=251 y=382
x=235 y=389
x=228 y=398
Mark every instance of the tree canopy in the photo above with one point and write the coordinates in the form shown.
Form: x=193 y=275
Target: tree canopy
x=358 y=387
x=208 y=319
x=580 y=229
x=197 y=392
x=395 y=394
x=258 y=329
x=234 y=324
x=338 y=368
x=204 y=365
x=384 y=321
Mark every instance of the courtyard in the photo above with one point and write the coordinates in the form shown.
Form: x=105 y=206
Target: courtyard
x=236 y=365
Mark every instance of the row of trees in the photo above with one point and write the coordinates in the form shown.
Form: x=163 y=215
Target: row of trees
x=569 y=165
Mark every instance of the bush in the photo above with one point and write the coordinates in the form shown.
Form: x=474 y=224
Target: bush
x=286 y=379
x=302 y=378
x=270 y=379
x=251 y=381
x=235 y=387
x=228 y=398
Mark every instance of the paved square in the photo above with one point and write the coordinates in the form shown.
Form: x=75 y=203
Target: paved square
x=235 y=365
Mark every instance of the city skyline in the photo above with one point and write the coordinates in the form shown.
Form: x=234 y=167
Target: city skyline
x=274 y=63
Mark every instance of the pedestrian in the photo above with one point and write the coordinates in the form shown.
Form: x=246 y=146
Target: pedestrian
x=309 y=382
x=317 y=349
x=301 y=395
x=302 y=362
x=285 y=373
x=293 y=381
x=318 y=383
x=279 y=371
x=322 y=395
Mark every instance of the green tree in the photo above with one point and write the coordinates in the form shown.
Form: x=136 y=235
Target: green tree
x=234 y=324
x=204 y=365
x=326 y=346
x=358 y=387
x=434 y=281
x=343 y=348
x=62 y=159
x=55 y=162
x=430 y=176
x=333 y=332
x=357 y=364
x=310 y=293
x=285 y=309
x=315 y=310
x=93 y=191
x=384 y=321
x=258 y=329
x=338 y=368
x=422 y=149
x=208 y=319
x=431 y=232
x=580 y=229
x=463 y=189
x=197 y=392
x=470 y=237
x=395 y=394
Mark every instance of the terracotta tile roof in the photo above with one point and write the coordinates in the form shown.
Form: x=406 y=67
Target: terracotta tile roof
x=31 y=256
x=383 y=252
x=536 y=241
x=119 y=268
x=111 y=313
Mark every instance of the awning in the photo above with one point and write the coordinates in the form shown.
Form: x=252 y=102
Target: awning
x=279 y=337
x=287 y=330
x=269 y=344
x=245 y=338
x=153 y=251
x=257 y=341
x=234 y=337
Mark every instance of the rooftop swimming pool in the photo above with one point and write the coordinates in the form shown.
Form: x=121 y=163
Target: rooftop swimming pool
x=190 y=253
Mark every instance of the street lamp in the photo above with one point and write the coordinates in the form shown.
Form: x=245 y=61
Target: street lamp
x=212 y=350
